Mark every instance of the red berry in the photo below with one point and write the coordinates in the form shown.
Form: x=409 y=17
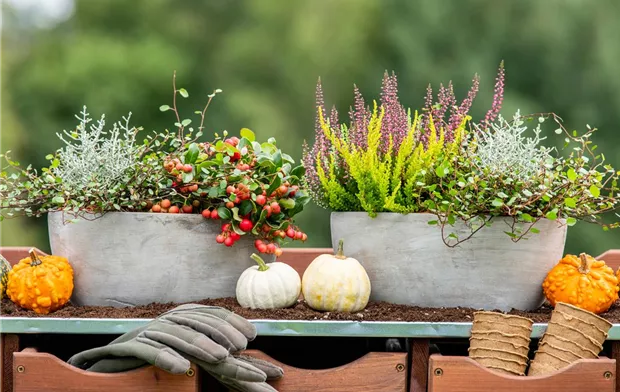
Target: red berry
x=229 y=241
x=230 y=204
x=187 y=168
x=266 y=228
x=235 y=140
x=271 y=248
x=230 y=189
x=278 y=252
x=226 y=227
x=290 y=232
x=299 y=235
x=193 y=188
x=262 y=248
x=165 y=203
x=206 y=214
x=236 y=156
x=304 y=237
x=283 y=189
x=214 y=214
x=220 y=239
x=235 y=236
x=173 y=210
x=187 y=209
x=156 y=208
x=261 y=200
x=257 y=243
x=275 y=207
x=246 y=225
x=179 y=166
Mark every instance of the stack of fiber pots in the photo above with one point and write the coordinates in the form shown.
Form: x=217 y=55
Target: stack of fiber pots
x=572 y=334
x=500 y=342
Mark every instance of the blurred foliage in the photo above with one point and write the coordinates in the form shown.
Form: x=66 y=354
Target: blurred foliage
x=561 y=56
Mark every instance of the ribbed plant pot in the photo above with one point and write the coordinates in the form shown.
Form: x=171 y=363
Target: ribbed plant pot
x=408 y=262
x=126 y=258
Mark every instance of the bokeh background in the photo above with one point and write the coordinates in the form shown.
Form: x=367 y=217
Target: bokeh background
x=117 y=56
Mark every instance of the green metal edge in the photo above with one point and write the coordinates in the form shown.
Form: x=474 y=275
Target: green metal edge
x=39 y=325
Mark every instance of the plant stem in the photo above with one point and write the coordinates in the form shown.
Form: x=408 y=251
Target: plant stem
x=340 y=253
x=35 y=259
x=584 y=268
x=261 y=264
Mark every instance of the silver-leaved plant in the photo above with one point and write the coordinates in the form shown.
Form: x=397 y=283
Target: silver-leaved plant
x=502 y=149
x=91 y=157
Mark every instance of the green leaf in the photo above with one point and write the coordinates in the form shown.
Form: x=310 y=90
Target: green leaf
x=192 y=153
x=534 y=230
x=277 y=158
x=246 y=207
x=595 y=191
x=570 y=202
x=440 y=171
x=213 y=191
x=275 y=184
x=183 y=93
x=497 y=203
x=163 y=108
x=527 y=217
x=188 y=177
x=224 y=213
x=571 y=174
x=432 y=222
x=248 y=134
x=235 y=211
x=58 y=200
x=570 y=221
x=552 y=215
x=186 y=122
x=49 y=157
x=287 y=203
x=298 y=171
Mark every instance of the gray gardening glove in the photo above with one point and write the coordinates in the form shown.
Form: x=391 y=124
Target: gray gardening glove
x=201 y=334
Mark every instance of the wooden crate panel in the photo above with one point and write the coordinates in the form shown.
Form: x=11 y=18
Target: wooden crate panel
x=380 y=372
x=35 y=372
x=462 y=374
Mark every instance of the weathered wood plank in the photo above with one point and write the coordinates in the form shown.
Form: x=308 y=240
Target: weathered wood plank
x=376 y=371
x=462 y=374
x=419 y=365
x=35 y=372
x=9 y=344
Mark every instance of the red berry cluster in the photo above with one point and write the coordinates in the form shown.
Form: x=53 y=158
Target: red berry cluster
x=167 y=206
x=228 y=236
x=268 y=247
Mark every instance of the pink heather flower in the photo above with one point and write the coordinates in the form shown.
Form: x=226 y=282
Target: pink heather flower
x=395 y=117
x=498 y=97
x=458 y=115
x=333 y=121
x=360 y=117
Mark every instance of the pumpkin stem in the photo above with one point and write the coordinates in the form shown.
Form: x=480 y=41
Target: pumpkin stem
x=261 y=263
x=584 y=268
x=35 y=259
x=340 y=253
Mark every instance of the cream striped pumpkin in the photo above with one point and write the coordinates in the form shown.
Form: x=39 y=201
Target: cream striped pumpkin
x=336 y=283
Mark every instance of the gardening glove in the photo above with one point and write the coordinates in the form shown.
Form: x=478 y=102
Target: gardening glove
x=215 y=331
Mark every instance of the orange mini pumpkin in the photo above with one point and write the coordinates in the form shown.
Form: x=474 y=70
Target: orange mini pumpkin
x=583 y=282
x=42 y=284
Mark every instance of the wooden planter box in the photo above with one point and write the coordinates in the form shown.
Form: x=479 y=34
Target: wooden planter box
x=375 y=371
x=34 y=372
x=463 y=374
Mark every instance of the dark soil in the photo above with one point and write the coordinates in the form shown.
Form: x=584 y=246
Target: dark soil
x=375 y=311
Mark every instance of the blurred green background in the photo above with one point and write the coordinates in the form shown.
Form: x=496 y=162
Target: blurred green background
x=117 y=56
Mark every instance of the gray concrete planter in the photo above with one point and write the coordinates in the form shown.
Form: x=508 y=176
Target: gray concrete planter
x=126 y=258
x=408 y=263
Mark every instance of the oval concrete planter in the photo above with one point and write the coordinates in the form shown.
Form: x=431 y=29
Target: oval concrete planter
x=127 y=258
x=408 y=263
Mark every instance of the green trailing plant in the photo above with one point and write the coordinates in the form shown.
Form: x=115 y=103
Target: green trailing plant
x=461 y=170
x=252 y=188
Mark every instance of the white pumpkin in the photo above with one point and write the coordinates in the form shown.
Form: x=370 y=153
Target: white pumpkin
x=268 y=286
x=336 y=283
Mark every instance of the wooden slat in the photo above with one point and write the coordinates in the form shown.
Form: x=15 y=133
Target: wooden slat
x=419 y=365
x=376 y=371
x=615 y=354
x=462 y=374
x=9 y=344
x=14 y=254
x=611 y=258
x=36 y=372
x=300 y=258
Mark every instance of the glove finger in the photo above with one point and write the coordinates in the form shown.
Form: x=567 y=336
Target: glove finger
x=272 y=371
x=245 y=386
x=162 y=357
x=200 y=346
x=234 y=368
x=241 y=324
x=117 y=365
x=217 y=329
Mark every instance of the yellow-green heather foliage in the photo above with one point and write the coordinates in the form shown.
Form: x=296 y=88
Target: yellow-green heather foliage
x=385 y=181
